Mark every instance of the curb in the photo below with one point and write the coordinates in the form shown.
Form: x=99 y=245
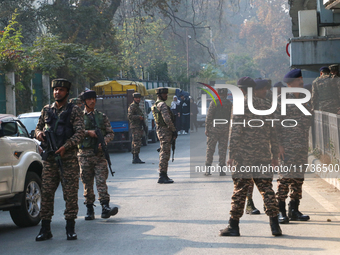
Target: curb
x=331 y=178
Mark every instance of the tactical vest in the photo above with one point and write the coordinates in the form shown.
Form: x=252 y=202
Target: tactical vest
x=327 y=91
x=90 y=142
x=222 y=111
x=158 y=115
x=60 y=124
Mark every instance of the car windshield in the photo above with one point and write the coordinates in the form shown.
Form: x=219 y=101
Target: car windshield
x=30 y=123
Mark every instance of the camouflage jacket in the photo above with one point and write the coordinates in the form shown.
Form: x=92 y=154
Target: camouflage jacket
x=76 y=120
x=134 y=112
x=166 y=115
x=253 y=144
x=218 y=112
x=325 y=95
x=295 y=138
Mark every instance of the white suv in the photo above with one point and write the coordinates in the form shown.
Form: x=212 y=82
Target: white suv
x=20 y=172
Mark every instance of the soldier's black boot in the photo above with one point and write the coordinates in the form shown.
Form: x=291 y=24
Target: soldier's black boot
x=275 y=227
x=107 y=212
x=45 y=231
x=70 y=233
x=139 y=161
x=164 y=179
x=232 y=229
x=90 y=212
x=221 y=172
x=283 y=219
x=251 y=209
x=136 y=159
x=293 y=211
x=207 y=170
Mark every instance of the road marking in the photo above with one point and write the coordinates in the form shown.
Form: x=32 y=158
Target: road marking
x=327 y=205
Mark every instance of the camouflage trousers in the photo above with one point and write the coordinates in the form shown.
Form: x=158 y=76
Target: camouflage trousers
x=137 y=135
x=250 y=190
x=283 y=186
x=70 y=185
x=93 y=167
x=164 y=135
x=242 y=181
x=212 y=140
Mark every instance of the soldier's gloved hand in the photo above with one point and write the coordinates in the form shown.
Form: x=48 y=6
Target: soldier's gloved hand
x=174 y=134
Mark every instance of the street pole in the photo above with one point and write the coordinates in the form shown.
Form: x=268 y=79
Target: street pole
x=187 y=53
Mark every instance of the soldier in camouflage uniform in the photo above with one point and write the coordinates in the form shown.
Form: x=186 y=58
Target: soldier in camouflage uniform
x=219 y=133
x=166 y=132
x=136 y=117
x=66 y=121
x=293 y=150
x=92 y=161
x=77 y=101
x=325 y=93
x=334 y=70
x=249 y=147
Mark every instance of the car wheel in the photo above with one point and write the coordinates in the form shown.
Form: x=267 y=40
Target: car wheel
x=154 y=137
x=28 y=214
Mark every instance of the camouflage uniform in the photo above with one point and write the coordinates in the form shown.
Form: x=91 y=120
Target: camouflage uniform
x=94 y=165
x=219 y=133
x=295 y=143
x=245 y=145
x=325 y=95
x=134 y=114
x=165 y=129
x=51 y=173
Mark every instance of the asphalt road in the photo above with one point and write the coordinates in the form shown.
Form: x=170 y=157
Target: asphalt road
x=180 y=218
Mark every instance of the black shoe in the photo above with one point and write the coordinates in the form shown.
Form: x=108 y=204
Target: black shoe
x=107 y=212
x=207 y=173
x=45 y=231
x=70 y=233
x=283 y=219
x=136 y=159
x=90 y=212
x=274 y=226
x=293 y=212
x=251 y=209
x=232 y=229
x=164 y=179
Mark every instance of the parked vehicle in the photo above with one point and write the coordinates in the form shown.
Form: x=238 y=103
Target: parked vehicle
x=30 y=120
x=114 y=98
x=20 y=172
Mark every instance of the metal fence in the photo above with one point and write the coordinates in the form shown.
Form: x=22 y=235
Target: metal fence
x=325 y=134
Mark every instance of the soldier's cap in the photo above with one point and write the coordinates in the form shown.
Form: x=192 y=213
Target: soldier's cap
x=162 y=90
x=334 y=67
x=279 y=85
x=246 y=82
x=307 y=86
x=61 y=83
x=136 y=95
x=75 y=100
x=222 y=91
x=324 y=69
x=292 y=75
x=89 y=94
x=260 y=84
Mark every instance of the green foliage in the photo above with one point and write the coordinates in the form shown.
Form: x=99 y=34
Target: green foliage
x=241 y=65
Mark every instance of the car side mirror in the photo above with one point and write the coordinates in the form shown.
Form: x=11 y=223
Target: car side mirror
x=8 y=129
x=32 y=134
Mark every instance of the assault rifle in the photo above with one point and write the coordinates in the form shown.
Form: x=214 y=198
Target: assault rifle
x=100 y=140
x=50 y=149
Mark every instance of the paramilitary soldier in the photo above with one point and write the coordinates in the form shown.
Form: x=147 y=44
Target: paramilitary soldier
x=219 y=133
x=77 y=101
x=67 y=123
x=249 y=147
x=166 y=132
x=293 y=150
x=325 y=92
x=136 y=117
x=92 y=159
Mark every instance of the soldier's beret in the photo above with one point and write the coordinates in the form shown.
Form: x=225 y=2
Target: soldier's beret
x=279 y=85
x=246 y=82
x=162 y=90
x=75 y=100
x=292 y=75
x=136 y=95
x=222 y=91
x=334 y=67
x=324 y=69
x=89 y=94
x=260 y=84
x=61 y=83
x=308 y=86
